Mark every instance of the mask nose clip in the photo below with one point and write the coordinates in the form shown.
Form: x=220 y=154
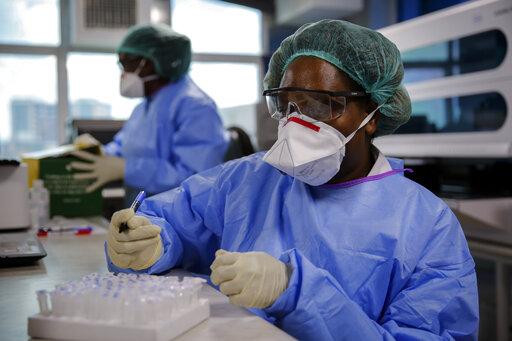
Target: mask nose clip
x=293 y=108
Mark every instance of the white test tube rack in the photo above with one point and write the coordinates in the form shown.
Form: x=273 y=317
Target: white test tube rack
x=119 y=307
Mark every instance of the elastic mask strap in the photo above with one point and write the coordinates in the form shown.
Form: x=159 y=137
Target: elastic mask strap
x=140 y=66
x=365 y=121
x=147 y=78
x=150 y=78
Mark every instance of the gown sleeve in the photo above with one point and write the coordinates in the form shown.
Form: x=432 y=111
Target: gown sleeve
x=114 y=147
x=198 y=143
x=191 y=218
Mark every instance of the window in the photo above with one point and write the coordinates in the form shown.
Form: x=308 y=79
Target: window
x=240 y=82
x=218 y=27
x=94 y=90
x=477 y=52
x=29 y=22
x=471 y=113
x=39 y=67
x=234 y=87
x=28 y=104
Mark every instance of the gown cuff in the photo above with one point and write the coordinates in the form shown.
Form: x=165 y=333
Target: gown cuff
x=287 y=302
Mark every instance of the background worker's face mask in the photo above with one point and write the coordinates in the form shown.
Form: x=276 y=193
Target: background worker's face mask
x=309 y=150
x=132 y=85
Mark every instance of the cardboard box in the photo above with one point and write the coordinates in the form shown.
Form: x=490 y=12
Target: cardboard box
x=67 y=195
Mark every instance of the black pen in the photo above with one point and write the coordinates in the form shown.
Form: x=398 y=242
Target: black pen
x=135 y=206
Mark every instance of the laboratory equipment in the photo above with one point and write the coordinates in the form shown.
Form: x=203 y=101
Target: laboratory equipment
x=14 y=205
x=458 y=72
x=39 y=204
x=19 y=248
x=119 y=307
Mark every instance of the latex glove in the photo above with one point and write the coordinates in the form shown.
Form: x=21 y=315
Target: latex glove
x=137 y=248
x=250 y=279
x=86 y=140
x=101 y=168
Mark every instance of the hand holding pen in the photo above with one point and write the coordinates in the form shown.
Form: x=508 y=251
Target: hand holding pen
x=133 y=241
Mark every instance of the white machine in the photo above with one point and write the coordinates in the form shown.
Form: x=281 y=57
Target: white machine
x=458 y=71
x=14 y=196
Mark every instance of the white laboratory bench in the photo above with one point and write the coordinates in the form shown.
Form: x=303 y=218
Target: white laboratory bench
x=70 y=257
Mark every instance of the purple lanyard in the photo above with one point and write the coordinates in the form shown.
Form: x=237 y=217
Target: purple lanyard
x=368 y=178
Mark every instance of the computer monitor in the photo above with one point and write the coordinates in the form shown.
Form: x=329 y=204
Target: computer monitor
x=101 y=130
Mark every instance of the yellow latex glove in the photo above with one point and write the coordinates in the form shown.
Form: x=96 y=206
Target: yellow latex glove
x=101 y=168
x=250 y=279
x=86 y=140
x=137 y=248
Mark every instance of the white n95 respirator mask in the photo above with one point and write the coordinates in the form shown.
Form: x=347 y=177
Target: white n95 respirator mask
x=132 y=85
x=310 y=151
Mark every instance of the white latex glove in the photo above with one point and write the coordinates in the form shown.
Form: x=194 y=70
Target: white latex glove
x=250 y=279
x=101 y=168
x=137 y=248
x=86 y=140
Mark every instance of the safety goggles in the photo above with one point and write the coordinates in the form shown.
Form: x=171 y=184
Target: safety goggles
x=131 y=64
x=320 y=105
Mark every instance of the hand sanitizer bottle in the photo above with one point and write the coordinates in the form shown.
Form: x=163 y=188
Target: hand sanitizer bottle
x=39 y=204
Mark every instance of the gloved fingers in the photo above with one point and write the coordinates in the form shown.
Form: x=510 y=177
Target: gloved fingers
x=82 y=165
x=86 y=140
x=85 y=155
x=142 y=232
x=121 y=216
x=239 y=299
x=147 y=257
x=250 y=301
x=222 y=274
x=85 y=176
x=130 y=247
x=224 y=258
x=95 y=185
x=220 y=252
x=119 y=259
x=230 y=288
x=137 y=221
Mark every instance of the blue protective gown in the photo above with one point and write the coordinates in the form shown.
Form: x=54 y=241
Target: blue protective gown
x=170 y=136
x=384 y=259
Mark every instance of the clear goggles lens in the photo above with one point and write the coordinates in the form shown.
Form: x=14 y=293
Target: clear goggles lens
x=317 y=105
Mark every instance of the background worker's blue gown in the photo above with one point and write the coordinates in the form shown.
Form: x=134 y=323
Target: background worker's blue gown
x=383 y=259
x=169 y=137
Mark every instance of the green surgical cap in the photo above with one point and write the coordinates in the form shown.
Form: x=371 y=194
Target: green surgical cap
x=366 y=56
x=168 y=50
